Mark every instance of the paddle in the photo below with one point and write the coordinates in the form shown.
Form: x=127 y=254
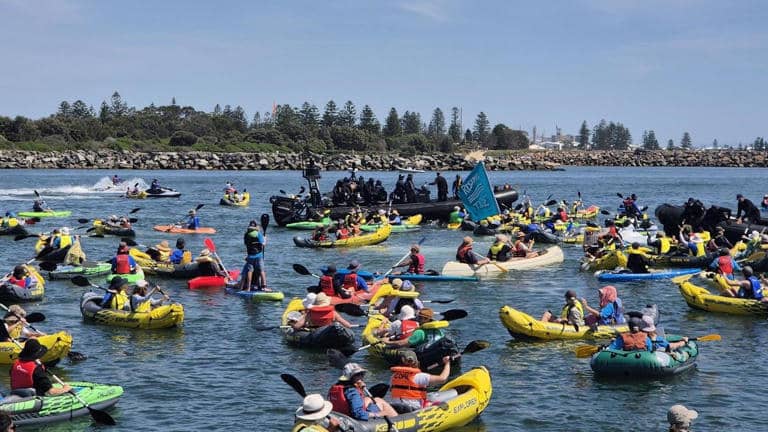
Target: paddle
x=198 y=207
x=212 y=247
x=472 y=347
x=423 y=239
x=264 y=225
x=300 y=269
x=356 y=310
x=294 y=383
x=584 y=351
x=503 y=270
x=35 y=317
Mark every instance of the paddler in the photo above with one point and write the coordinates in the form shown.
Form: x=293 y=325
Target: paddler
x=394 y=217
x=142 y=301
x=392 y=305
x=314 y=410
x=662 y=243
x=419 y=336
x=611 y=310
x=25 y=331
x=348 y=396
x=751 y=287
x=353 y=282
x=465 y=254
x=415 y=261
x=456 y=216
x=116 y=180
x=28 y=373
x=725 y=264
x=572 y=313
x=719 y=240
x=160 y=251
x=500 y=249
x=635 y=339
x=523 y=249
x=193 y=222
x=207 y=266
x=680 y=418
x=320 y=234
x=180 y=255
x=9 y=220
x=21 y=277
x=254 y=241
x=637 y=259
x=39 y=205
x=320 y=314
x=11 y=325
x=123 y=262
x=409 y=384
x=61 y=238
x=115 y=297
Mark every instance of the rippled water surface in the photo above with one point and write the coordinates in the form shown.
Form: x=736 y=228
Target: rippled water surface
x=217 y=372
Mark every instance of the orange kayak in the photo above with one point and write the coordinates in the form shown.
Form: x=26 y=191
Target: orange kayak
x=360 y=297
x=177 y=229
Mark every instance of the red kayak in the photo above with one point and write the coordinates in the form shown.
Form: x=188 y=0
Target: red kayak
x=211 y=282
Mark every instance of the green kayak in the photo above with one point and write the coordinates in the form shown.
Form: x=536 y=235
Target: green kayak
x=88 y=268
x=645 y=364
x=131 y=277
x=306 y=225
x=395 y=228
x=48 y=409
x=52 y=213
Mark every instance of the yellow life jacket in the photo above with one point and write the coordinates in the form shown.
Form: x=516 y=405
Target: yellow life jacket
x=495 y=249
x=144 y=306
x=65 y=240
x=664 y=245
x=700 y=249
x=118 y=301
x=186 y=257
x=16 y=332
x=567 y=308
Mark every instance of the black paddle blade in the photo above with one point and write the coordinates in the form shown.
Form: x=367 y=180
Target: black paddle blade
x=101 y=417
x=264 y=222
x=550 y=202
x=619 y=195
x=283 y=192
x=644 y=208
x=300 y=269
x=199 y=206
x=35 y=317
x=48 y=266
x=134 y=210
x=90 y=229
x=24 y=236
x=454 y=314
x=475 y=346
x=37 y=194
x=605 y=212
x=81 y=281
x=82 y=220
x=75 y=356
x=379 y=390
x=294 y=383
x=351 y=309
x=336 y=358
x=442 y=301
x=578 y=193
x=133 y=220
x=128 y=241
x=518 y=207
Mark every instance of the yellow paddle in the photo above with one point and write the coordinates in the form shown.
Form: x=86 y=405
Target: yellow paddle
x=680 y=279
x=583 y=351
x=503 y=270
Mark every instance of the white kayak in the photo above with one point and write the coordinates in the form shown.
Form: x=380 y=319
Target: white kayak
x=550 y=255
x=631 y=235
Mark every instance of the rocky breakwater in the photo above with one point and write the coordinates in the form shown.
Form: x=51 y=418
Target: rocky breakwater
x=655 y=158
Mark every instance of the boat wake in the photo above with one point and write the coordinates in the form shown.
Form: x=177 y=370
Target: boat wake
x=103 y=186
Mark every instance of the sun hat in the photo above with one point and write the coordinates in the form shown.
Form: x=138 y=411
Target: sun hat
x=406 y=313
x=350 y=370
x=407 y=286
x=648 y=325
x=65 y=231
x=32 y=350
x=679 y=415
x=314 y=407
x=117 y=283
x=353 y=265
x=192 y=212
x=426 y=315
x=408 y=358
x=163 y=246
x=322 y=299
x=309 y=300
x=397 y=283
x=142 y=283
x=205 y=252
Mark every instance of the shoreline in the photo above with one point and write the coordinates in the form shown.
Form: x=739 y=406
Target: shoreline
x=549 y=160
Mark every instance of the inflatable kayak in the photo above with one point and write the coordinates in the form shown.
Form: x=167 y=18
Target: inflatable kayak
x=88 y=269
x=130 y=277
x=102 y=229
x=139 y=195
x=162 y=193
x=428 y=277
x=525 y=327
x=309 y=225
x=624 y=275
x=178 y=229
x=462 y=400
x=164 y=269
x=331 y=336
x=58 y=345
x=645 y=364
x=700 y=298
x=160 y=317
x=373 y=238
x=10 y=293
x=243 y=202
x=44 y=214
x=212 y=282
x=684 y=261
x=409 y=224
x=14 y=230
x=549 y=256
x=255 y=296
x=609 y=261
x=36 y=410
x=590 y=212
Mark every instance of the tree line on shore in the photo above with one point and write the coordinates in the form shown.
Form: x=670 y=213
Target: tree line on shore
x=77 y=125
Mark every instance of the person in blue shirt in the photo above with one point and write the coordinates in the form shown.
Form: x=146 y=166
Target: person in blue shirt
x=254 y=241
x=177 y=256
x=611 y=311
x=658 y=342
x=351 y=281
x=748 y=288
x=725 y=264
x=635 y=339
x=360 y=405
x=193 y=222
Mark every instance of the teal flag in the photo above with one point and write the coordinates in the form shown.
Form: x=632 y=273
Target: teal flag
x=476 y=194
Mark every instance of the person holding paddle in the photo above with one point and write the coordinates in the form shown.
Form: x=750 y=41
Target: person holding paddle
x=39 y=205
x=193 y=222
x=21 y=277
x=465 y=254
x=415 y=263
x=180 y=255
x=349 y=396
x=254 y=242
x=409 y=384
x=419 y=336
x=142 y=301
x=572 y=313
x=28 y=373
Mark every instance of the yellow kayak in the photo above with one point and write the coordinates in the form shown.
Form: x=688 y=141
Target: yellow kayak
x=373 y=238
x=58 y=345
x=609 y=261
x=245 y=198
x=523 y=326
x=164 y=316
x=139 y=195
x=466 y=397
x=700 y=298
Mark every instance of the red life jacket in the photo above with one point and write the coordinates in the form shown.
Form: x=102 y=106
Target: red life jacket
x=122 y=265
x=18 y=282
x=326 y=285
x=564 y=216
x=407 y=328
x=613 y=231
x=725 y=265
x=404 y=387
x=419 y=267
x=321 y=316
x=634 y=341
x=21 y=374
x=350 y=281
x=339 y=401
x=463 y=251
x=342 y=233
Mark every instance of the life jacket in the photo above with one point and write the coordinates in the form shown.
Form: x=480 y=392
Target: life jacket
x=142 y=307
x=567 y=309
x=339 y=400
x=564 y=216
x=403 y=385
x=419 y=267
x=326 y=285
x=342 y=233
x=114 y=301
x=122 y=264
x=755 y=287
x=725 y=265
x=321 y=316
x=463 y=251
x=406 y=328
x=64 y=241
x=495 y=250
x=22 y=374
x=186 y=257
x=11 y=222
x=634 y=341
x=252 y=244
x=664 y=245
x=18 y=282
x=697 y=248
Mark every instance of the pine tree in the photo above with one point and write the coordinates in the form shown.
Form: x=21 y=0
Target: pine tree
x=670 y=144
x=649 y=140
x=217 y=110
x=80 y=109
x=482 y=128
x=173 y=101
x=392 y=124
x=331 y=114
x=758 y=144
x=104 y=112
x=310 y=115
x=64 y=109
x=240 y=118
x=584 y=136
x=348 y=115
x=436 y=127
x=411 y=122
x=685 y=142
x=454 y=130
x=715 y=145
x=256 y=120
x=118 y=107
x=368 y=121
x=468 y=137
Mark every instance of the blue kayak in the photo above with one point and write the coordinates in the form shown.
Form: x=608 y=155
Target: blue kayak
x=256 y=295
x=364 y=274
x=614 y=276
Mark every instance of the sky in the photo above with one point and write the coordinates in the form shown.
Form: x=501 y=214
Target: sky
x=665 y=65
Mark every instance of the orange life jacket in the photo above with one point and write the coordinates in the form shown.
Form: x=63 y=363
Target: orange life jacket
x=463 y=251
x=22 y=374
x=725 y=265
x=320 y=316
x=18 y=282
x=326 y=285
x=403 y=385
x=342 y=234
x=519 y=251
x=634 y=341
x=350 y=281
x=339 y=400
x=564 y=216
x=407 y=327
x=418 y=268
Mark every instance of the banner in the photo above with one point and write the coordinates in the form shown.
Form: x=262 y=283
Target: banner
x=476 y=194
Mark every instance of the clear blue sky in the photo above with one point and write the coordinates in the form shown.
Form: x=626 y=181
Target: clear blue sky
x=667 y=65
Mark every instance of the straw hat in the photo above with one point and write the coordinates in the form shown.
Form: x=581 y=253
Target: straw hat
x=322 y=299
x=163 y=246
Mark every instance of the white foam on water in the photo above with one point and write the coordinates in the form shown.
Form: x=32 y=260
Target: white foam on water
x=103 y=186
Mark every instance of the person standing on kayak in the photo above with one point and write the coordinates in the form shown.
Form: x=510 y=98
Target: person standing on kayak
x=751 y=213
x=193 y=222
x=254 y=241
x=415 y=262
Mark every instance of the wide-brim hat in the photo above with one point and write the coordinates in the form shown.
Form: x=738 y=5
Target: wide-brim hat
x=648 y=325
x=117 y=282
x=313 y=408
x=426 y=314
x=350 y=370
x=397 y=283
x=163 y=246
x=322 y=299
x=353 y=265
x=681 y=416
x=32 y=350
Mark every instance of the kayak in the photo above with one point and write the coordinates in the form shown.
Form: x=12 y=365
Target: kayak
x=89 y=268
x=331 y=336
x=453 y=226
x=609 y=261
x=130 y=277
x=212 y=282
x=58 y=345
x=522 y=326
x=36 y=410
x=165 y=316
x=426 y=277
x=410 y=224
x=101 y=229
x=461 y=401
x=590 y=212
x=685 y=261
x=43 y=214
x=162 y=193
x=14 y=230
x=573 y=238
x=139 y=195
x=373 y=238
x=307 y=225
x=164 y=269
x=551 y=255
x=246 y=198
x=178 y=229
x=624 y=275
x=255 y=296
x=700 y=298
x=10 y=293
x=645 y=364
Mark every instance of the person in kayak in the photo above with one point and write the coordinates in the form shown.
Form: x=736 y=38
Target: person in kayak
x=662 y=243
x=658 y=342
x=394 y=217
x=320 y=314
x=521 y=249
x=352 y=282
x=719 y=241
x=314 y=410
x=392 y=305
x=751 y=287
x=421 y=335
x=28 y=372
x=39 y=205
x=21 y=277
x=401 y=326
x=207 y=266
x=747 y=207
x=635 y=339
x=465 y=254
x=611 y=310
x=123 y=262
x=180 y=255
x=11 y=326
x=193 y=222
x=415 y=261
x=456 y=216
x=60 y=238
x=631 y=210
x=350 y=397
x=320 y=234
x=725 y=264
x=329 y=284
x=500 y=250
x=572 y=313
x=9 y=220
x=342 y=232
x=637 y=260
x=409 y=384
x=230 y=189
x=142 y=301
x=23 y=332
x=254 y=241
x=115 y=297
x=694 y=244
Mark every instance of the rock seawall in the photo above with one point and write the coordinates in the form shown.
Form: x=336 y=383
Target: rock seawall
x=518 y=160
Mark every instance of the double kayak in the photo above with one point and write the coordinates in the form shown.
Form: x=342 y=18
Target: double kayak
x=309 y=225
x=212 y=282
x=164 y=316
x=434 y=277
x=242 y=202
x=409 y=224
x=382 y=234
x=58 y=345
x=101 y=229
x=255 y=295
x=88 y=269
x=44 y=214
x=459 y=402
x=36 y=410
x=333 y=336
x=164 y=269
x=179 y=229
x=700 y=298
x=625 y=275
x=549 y=256
x=525 y=327
x=10 y=293
x=129 y=277
x=645 y=364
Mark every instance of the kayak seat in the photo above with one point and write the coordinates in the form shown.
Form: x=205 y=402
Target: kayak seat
x=24 y=392
x=401 y=408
